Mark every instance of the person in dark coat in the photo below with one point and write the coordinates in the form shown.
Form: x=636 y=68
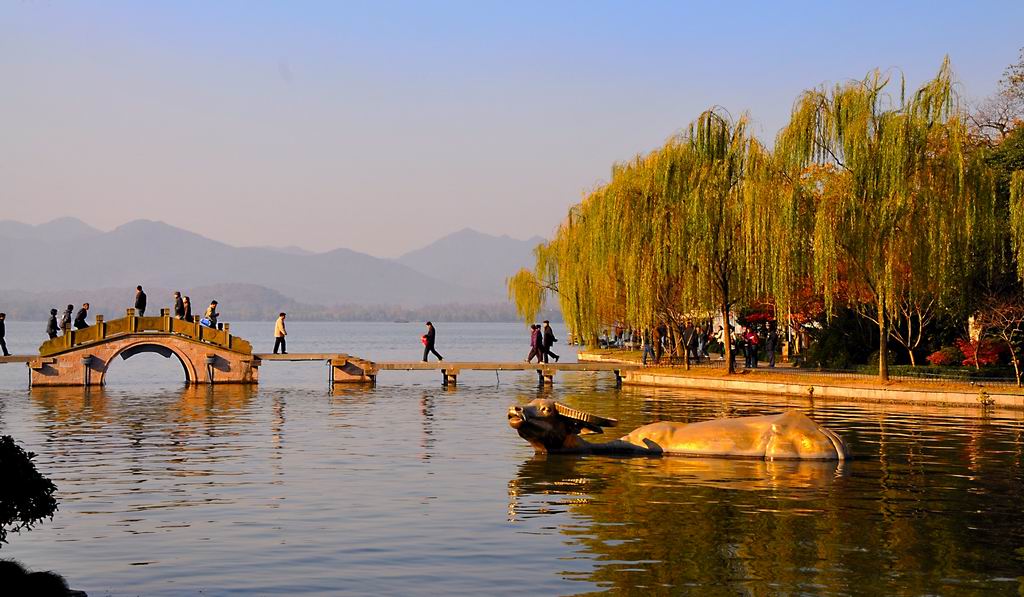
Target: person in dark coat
x=428 y=343
x=140 y=302
x=65 y=320
x=548 y=340
x=179 y=306
x=83 y=313
x=535 y=343
x=646 y=345
x=51 y=325
x=659 y=346
x=3 y=333
x=188 y=309
x=771 y=343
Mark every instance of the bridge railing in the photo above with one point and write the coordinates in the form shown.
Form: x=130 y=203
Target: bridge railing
x=131 y=324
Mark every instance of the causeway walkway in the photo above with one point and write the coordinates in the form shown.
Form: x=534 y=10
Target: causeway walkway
x=450 y=370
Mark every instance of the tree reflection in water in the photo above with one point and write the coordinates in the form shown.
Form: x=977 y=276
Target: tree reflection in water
x=755 y=527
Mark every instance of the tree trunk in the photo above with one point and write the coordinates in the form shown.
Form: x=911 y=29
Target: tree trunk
x=883 y=343
x=910 y=352
x=727 y=341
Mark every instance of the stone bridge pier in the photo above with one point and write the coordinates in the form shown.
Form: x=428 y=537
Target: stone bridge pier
x=202 y=363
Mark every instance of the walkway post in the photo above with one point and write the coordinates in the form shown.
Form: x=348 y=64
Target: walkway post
x=87 y=370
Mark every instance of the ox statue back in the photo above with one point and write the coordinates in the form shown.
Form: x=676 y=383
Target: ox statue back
x=551 y=427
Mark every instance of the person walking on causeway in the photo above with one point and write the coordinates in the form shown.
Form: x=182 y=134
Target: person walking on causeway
x=51 y=325
x=188 y=309
x=279 y=334
x=548 y=339
x=140 y=302
x=65 y=320
x=3 y=334
x=80 y=317
x=535 y=342
x=428 y=343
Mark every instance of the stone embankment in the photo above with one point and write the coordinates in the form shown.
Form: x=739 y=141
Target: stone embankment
x=786 y=381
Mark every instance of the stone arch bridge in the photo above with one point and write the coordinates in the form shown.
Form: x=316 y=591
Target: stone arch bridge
x=82 y=357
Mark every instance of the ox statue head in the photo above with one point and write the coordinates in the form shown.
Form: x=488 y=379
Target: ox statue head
x=553 y=427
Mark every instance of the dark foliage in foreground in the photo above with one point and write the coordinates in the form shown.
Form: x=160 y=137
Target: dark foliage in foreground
x=16 y=580
x=26 y=496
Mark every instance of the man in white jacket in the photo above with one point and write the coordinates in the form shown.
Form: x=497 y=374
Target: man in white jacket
x=279 y=334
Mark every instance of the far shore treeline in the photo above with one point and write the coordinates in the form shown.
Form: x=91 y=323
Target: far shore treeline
x=250 y=302
x=902 y=206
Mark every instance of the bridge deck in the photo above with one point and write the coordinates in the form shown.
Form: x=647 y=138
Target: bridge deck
x=497 y=366
x=18 y=358
x=299 y=356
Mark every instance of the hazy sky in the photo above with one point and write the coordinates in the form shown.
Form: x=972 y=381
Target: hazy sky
x=380 y=126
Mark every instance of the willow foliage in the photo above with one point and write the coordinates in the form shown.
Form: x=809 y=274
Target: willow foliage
x=683 y=230
x=1017 y=219
x=909 y=195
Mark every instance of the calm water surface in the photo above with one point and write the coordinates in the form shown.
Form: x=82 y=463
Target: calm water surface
x=408 y=488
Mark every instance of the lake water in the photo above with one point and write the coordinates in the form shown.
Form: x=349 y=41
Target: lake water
x=410 y=488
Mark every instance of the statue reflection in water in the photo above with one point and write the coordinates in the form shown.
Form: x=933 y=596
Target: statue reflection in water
x=684 y=520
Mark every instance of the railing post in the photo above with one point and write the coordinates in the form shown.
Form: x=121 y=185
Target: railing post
x=227 y=332
x=165 y=314
x=103 y=327
x=133 y=323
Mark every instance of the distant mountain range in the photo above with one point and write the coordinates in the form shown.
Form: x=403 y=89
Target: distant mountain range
x=68 y=261
x=473 y=260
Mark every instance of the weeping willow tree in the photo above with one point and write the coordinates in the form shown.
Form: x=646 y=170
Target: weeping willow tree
x=690 y=228
x=909 y=196
x=1017 y=219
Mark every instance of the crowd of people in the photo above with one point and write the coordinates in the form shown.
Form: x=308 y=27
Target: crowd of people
x=60 y=323
x=696 y=340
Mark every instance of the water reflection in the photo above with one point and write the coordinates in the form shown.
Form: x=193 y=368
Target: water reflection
x=649 y=524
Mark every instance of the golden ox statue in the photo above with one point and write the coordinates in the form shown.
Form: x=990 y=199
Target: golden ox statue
x=553 y=427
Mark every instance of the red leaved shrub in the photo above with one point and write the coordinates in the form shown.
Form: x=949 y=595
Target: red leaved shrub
x=946 y=356
x=989 y=352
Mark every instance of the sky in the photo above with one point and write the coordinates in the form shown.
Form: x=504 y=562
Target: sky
x=382 y=126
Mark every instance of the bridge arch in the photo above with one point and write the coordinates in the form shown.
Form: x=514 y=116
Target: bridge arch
x=202 y=362
x=146 y=345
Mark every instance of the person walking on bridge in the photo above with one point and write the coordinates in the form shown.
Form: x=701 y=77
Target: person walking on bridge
x=51 y=325
x=211 y=315
x=140 y=302
x=188 y=309
x=3 y=333
x=536 y=340
x=80 y=317
x=65 y=320
x=279 y=334
x=179 y=306
x=548 y=340
x=428 y=343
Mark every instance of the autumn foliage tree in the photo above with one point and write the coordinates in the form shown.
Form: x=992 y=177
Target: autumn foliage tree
x=908 y=196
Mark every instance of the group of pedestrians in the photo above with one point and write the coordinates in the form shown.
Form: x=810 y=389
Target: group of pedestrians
x=64 y=324
x=61 y=323
x=751 y=342
x=542 y=338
